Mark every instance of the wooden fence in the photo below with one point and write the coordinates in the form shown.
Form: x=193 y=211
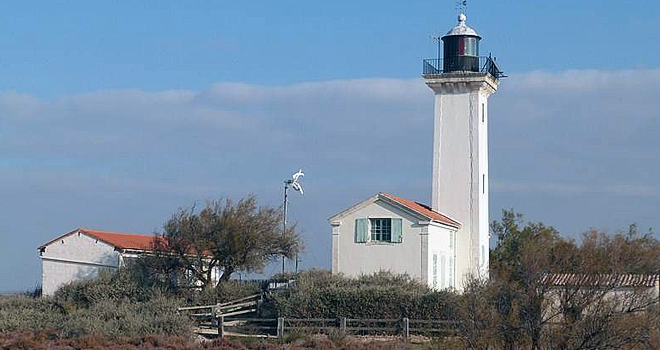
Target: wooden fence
x=236 y=307
x=278 y=327
x=232 y=319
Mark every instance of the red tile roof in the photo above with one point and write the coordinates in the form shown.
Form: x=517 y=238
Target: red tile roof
x=116 y=239
x=604 y=280
x=424 y=210
x=122 y=240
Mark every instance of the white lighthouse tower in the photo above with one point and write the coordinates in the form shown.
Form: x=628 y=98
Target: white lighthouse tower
x=462 y=82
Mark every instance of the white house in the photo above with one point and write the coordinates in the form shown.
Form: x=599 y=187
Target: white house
x=390 y=233
x=386 y=232
x=84 y=253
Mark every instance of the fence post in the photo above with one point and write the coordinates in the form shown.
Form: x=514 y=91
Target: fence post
x=221 y=326
x=280 y=328
x=342 y=326
x=406 y=328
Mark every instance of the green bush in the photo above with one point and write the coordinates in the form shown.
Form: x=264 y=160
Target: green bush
x=113 y=319
x=112 y=305
x=108 y=318
x=319 y=294
x=121 y=285
x=23 y=313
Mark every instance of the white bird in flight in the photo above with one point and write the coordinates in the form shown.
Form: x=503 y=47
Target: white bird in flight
x=294 y=182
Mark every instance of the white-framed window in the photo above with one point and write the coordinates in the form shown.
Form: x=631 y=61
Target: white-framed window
x=451 y=272
x=443 y=270
x=381 y=229
x=435 y=270
x=483 y=255
x=450 y=260
x=483 y=112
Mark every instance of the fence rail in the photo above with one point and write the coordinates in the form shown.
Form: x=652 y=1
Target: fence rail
x=206 y=314
x=278 y=327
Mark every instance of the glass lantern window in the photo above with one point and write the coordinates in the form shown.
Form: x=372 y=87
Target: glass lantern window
x=470 y=46
x=462 y=46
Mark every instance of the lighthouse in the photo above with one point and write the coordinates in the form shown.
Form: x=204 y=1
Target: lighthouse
x=462 y=82
x=442 y=243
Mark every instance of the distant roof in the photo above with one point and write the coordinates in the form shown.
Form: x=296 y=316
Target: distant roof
x=462 y=29
x=601 y=280
x=119 y=240
x=423 y=209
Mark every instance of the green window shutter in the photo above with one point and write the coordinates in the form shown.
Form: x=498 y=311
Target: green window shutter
x=361 y=230
x=397 y=230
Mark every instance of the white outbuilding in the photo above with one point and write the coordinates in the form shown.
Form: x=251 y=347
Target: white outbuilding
x=83 y=253
x=390 y=233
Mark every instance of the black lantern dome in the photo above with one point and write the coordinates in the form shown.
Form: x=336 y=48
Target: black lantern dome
x=461 y=48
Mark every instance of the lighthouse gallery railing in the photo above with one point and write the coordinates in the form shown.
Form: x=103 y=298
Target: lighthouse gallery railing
x=433 y=66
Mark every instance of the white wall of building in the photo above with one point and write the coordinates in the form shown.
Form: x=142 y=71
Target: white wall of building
x=441 y=257
x=354 y=259
x=460 y=164
x=484 y=219
x=413 y=256
x=74 y=257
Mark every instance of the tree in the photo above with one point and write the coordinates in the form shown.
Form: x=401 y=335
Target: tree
x=521 y=306
x=523 y=255
x=221 y=239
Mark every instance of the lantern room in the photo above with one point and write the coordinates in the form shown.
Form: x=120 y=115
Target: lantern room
x=461 y=48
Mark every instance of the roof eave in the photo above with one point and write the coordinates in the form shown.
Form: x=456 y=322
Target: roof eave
x=444 y=224
x=58 y=238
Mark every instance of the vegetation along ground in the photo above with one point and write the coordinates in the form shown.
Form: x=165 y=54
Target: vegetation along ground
x=136 y=308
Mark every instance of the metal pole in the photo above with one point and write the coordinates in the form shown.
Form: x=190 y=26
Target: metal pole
x=286 y=187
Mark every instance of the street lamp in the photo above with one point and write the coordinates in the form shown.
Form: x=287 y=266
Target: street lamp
x=293 y=182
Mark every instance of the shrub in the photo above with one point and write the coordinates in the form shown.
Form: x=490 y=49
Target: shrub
x=108 y=318
x=319 y=294
x=119 y=285
x=317 y=278
x=21 y=313
x=113 y=319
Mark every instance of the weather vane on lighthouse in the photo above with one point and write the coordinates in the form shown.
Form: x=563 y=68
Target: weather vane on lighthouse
x=461 y=6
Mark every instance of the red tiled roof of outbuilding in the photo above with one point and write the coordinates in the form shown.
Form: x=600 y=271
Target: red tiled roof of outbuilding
x=600 y=280
x=118 y=240
x=123 y=240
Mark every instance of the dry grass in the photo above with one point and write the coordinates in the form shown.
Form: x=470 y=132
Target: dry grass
x=45 y=340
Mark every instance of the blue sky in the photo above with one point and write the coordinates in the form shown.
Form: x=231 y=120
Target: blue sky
x=53 y=48
x=113 y=115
